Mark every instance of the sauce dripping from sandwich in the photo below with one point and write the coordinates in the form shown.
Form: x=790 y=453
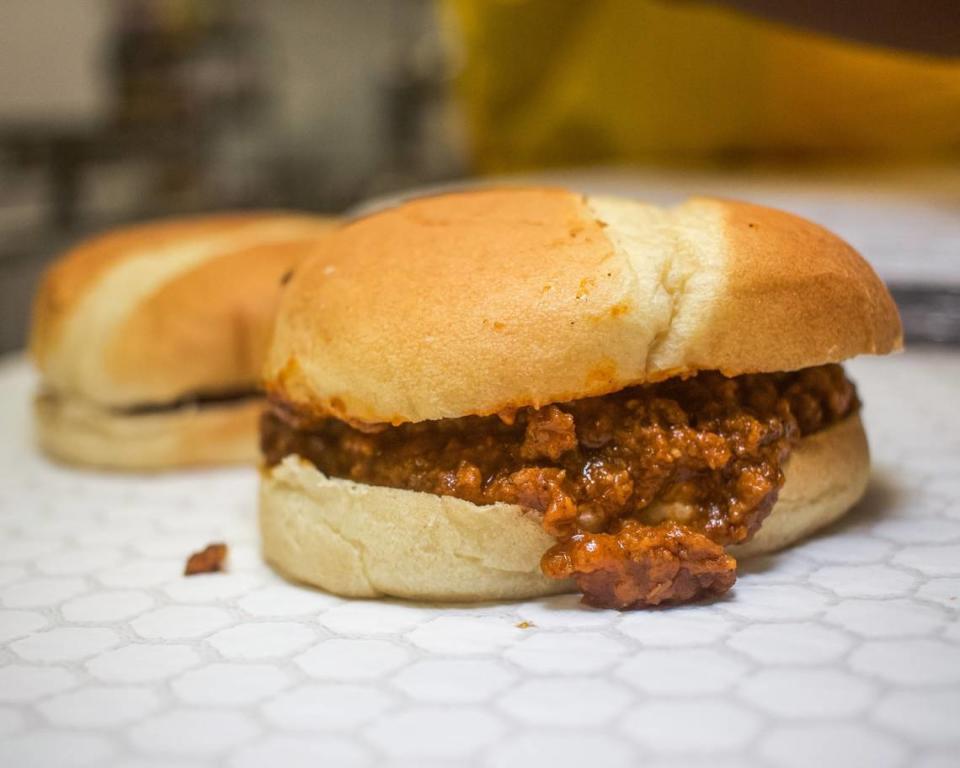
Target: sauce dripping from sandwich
x=642 y=488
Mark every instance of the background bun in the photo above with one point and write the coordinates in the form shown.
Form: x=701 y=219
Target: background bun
x=152 y=312
x=366 y=541
x=473 y=302
x=75 y=431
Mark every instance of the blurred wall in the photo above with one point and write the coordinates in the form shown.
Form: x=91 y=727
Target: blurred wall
x=51 y=59
x=334 y=75
x=337 y=69
x=328 y=62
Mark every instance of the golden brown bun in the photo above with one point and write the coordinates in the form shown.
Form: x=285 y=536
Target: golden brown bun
x=80 y=432
x=153 y=312
x=367 y=541
x=474 y=302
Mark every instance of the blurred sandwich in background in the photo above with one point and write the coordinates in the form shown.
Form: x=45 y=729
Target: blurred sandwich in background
x=149 y=339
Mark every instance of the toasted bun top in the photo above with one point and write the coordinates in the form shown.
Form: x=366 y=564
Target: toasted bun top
x=149 y=313
x=475 y=302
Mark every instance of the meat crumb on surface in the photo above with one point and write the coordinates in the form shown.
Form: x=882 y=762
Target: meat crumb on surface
x=210 y=559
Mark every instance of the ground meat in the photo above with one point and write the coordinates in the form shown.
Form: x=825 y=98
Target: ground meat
x=210 y=559
x=549 y=434
x=640 y=565
x=605 y=472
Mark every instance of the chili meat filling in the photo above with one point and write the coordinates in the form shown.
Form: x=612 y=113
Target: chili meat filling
x=642 y=488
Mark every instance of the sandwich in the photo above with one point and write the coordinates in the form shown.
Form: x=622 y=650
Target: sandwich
x=509 y=393
x=149 y=340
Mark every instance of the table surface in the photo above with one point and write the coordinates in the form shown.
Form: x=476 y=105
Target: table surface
x=844 y=650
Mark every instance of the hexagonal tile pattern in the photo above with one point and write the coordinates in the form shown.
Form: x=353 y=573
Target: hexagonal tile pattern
x=564 y=612
x=175 y=622
x=930 y=715
x=785 y=567
x=76 y=562
x=685 y=672
x=211 y=587
x=141 y=662
x=790 y=643
x=65 y=644
x=886 y=618
x=929 y=531
x=300 y=752
x=453 y=680
x=560 y=749
x=106 y=606
x=14 y=624
x=943 y=591
x=852 y=746
x=99 y=707
x=19 y=682
x=909 y=662
x=262 y=639
x=201 y=732
x=559 y=701
x=140 y=574
x=931 y=559
x=847 y=550
x=41 y=592
x=676 y=627
x=566 y=653
x=807 y=692
x=864 y=580
x=762 y=602
x=52 y=749
x=230 y=684
x=841 y=651
x=664 y=726
x=435 y=733
x=465 y=635
x=316 y=707
x=285 y=600
x=23 y=549
x=357 y=659
x=362 y=617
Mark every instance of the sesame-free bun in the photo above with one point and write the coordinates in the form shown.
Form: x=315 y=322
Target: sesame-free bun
x=474 y=302
x=152 y=312
x=151 y=315
x=79 y=432
x=367 y=541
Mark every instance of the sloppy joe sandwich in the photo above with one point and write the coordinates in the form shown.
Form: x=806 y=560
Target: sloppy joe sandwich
x=515 y=392
x=150 y=339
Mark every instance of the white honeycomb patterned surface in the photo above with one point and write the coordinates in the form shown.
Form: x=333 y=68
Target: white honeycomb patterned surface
x=844 y=651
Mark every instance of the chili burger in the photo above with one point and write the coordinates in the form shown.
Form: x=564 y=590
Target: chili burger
x=515 y=392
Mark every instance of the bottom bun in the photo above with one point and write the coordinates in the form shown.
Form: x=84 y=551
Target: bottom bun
x=368 y=541
x=79 y=432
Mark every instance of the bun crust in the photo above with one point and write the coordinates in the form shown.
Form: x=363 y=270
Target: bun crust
x=366 y=541
x=149 y=313
x=80 y=432
x=475 y=302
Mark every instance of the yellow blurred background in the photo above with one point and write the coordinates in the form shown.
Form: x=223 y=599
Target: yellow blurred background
x=552 y=82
